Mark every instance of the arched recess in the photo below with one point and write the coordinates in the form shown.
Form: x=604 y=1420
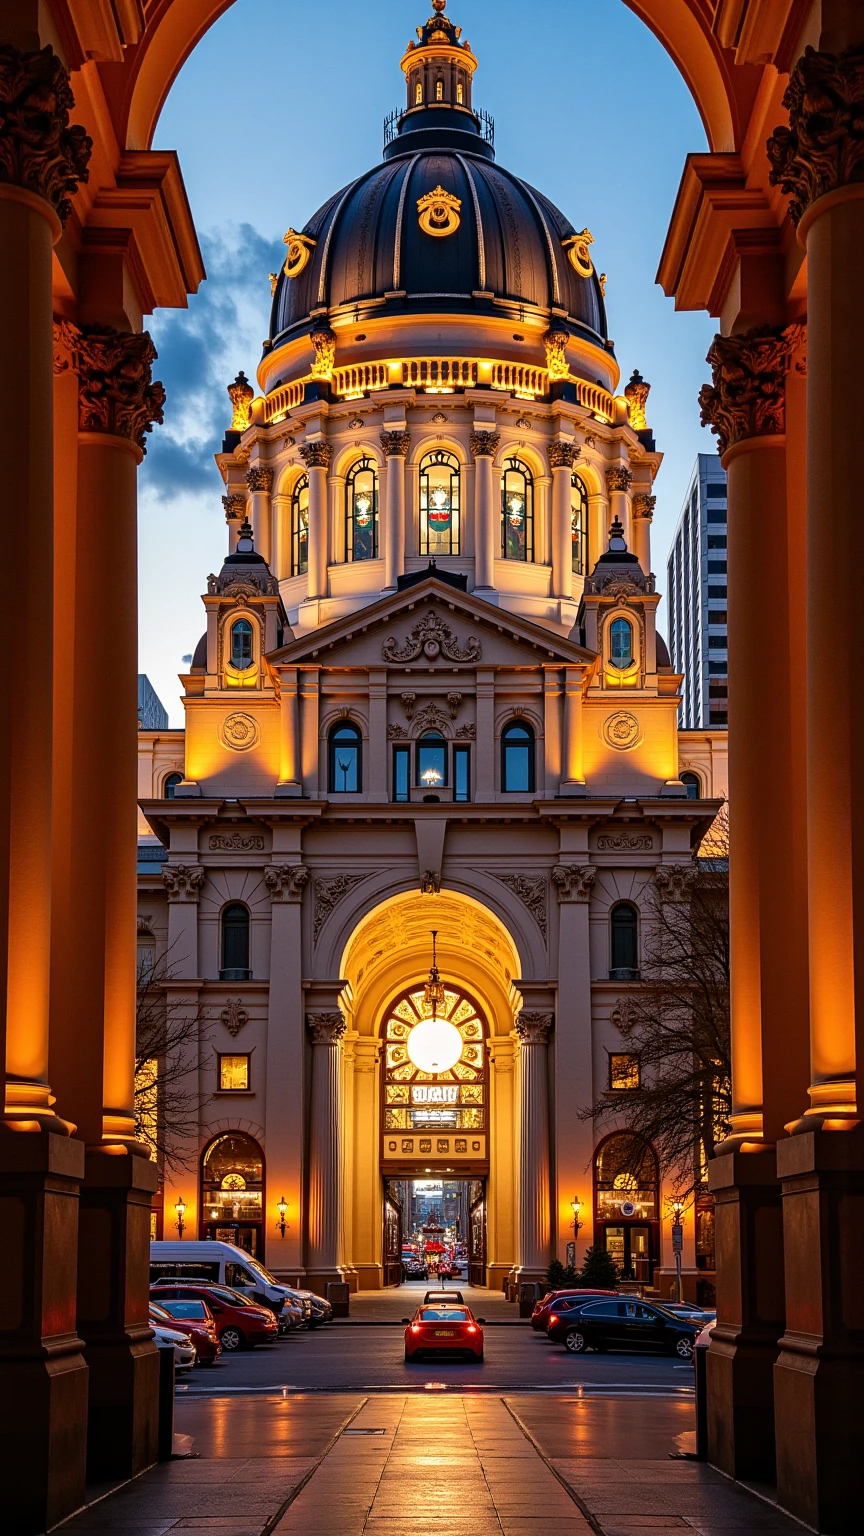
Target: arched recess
x=232 y=1191
x=723 y=91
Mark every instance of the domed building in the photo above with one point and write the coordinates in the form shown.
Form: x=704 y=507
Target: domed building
x=431 y=778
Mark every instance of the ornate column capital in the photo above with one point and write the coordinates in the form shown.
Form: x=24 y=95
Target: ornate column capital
x=326 y=1028
x=563 y=455
x=396 y=444
x=533 y=1026
x=747 y=397
x=618 y=478
x=484 y=444
x=555 y=341
x=66 y=338
x=116 y=394
x=673 y=881
x=183 y=881
x=241 y=395
x=286 y=882
x=643 y=505
x=39 y=151
x=823 y=147
x=574 y=881
x=636 y=394
x=324 y=342
x=259 y=478
x=235 y=506
x=316 y=455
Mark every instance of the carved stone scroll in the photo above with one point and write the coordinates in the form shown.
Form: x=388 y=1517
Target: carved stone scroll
x=237 y=842
x=823 y=147
x=39 y=151
x=234 y=1016
x=432 y=637
x=625 y=842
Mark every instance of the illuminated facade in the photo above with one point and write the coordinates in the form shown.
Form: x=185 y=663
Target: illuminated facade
x=430 y=696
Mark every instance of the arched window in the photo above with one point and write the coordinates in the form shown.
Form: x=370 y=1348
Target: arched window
x=345 y=749
x=694 y=788
x=235 y=943
x=241 y=644
x=579 y=525
x=300 y=527
x=626 y=1204
x=418 y=94
x=624 y=942
x=439 y=503
x=361 y=511
x=460 y=94
x=517 y=511
x=439 y=89
x=621 y=643
x=232 y=1198
x=170 y=785
x=517 y=757
x=431 y=760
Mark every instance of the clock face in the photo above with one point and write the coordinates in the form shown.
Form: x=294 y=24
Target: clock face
x=434 y=1068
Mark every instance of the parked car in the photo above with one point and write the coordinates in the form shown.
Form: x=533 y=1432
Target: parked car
x=690 y=1310
x=624 y=1323
x=239 y=1323
x=320 y=1310
x=444 y=1328
x=546 y=1304
x=217 y=1263
x=197 y=1320
x=171 y=1338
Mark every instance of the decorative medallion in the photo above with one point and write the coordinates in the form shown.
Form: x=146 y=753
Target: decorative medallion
x=621 y=730
x=431 y=637
x=239 y=732
x=576 y=247
x=439 y=212
x=356 y=423
x=439 y=417
x=234 y=1016
x=298 y=253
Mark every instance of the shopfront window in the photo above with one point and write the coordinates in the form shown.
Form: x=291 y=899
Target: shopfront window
x=626 y=1180
x=232 y=1191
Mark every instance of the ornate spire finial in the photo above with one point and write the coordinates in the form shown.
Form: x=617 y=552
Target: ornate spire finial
x=242 y=395
x=246 y=538
x=617 y=540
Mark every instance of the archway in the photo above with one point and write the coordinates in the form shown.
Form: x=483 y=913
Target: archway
x=232 y=1191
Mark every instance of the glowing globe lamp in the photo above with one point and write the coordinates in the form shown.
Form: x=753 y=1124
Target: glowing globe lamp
x=434 y=1045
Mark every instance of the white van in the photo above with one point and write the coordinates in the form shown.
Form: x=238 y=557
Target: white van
x=220 y=1264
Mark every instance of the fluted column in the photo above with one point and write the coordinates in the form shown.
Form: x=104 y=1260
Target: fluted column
x=259 y=479
x=484 y=446
x=562 y=457
x=572 y=767
x=573 y=1053
x=395 y=445
x=287 y=884
x=291 y=767
x=235 y=511
x=532 y=1029
x=598 y=527
x=316 y=456
x=502 y=1202
x=643 y=513
x=326 y=1031
x=618 y=482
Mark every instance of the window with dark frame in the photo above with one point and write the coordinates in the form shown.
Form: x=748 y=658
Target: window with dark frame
x=579 y=525
x=461 y=774
x=345 y=759
x=624 y=942
x=402 y=774
x=170 y=785
x=234 y=1074
x=439 y=503
x=361 y=511
x=517 y=757
x=620 y=643
x=431 y=761
x=235 y=942
x=517 y=511
x=300 y=527
x=241 y=644
x=625 y=1071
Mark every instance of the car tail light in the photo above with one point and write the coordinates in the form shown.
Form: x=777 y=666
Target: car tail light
x=552 y=1317
x=415 y=1327
x=472 y=1328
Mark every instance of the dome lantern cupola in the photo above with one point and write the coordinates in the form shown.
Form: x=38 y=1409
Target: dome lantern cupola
x=438 y=71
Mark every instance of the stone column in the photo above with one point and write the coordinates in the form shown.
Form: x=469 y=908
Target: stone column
x=746 y=407
x=235 y=511
x=562 y=457
x=260 y=482
x=484 y=446
x=618 y=482
x=532 y=1030
x=598 y=528
x=287 y=884
x=502 y=1201
x=820 y=1373
x=572 y=769
x=183 y=885
x=367 y=1220
x=326 y=1031
x=643 y=513
x=290 y=769
x=316 y=456
x=574 y=1055
x=43 y=1436
x=395 y=445
x=345 y=1248
x=280 y=514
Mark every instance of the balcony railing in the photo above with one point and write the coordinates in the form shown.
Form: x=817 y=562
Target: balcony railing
x=485 y=123
x=437 y=375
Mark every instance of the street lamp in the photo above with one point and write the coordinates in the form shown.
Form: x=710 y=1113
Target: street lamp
x=677 y=1240
x=180 y=1208
x=282 y=1208
x=576 y=1206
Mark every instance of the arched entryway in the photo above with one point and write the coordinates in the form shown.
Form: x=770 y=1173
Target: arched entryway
x=626 y=1204
x=232 y=1191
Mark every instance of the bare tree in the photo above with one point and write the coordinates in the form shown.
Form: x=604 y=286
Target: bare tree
x=167 y=1099
x=677 y=1023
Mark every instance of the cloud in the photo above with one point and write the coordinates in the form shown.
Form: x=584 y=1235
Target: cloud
x=200 y=351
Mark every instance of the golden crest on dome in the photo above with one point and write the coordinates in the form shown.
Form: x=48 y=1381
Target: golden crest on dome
x=439 y=212
x=300 y=248
x=576 y=247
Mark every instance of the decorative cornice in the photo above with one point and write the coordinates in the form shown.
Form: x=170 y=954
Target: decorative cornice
x=241 y=395
x=183 y=882
x=618 y=478
x=432 y=636
x=531 y=890
x=485 y=444
x=563 y=455
x=316 y=455
x=574 y=881
x=235 y=506
x=286 y=882
x=326 y=1028
x=39 y=151
x=674 y=881
x=643 y=505
x=636 y=394
x=555 y=342
x=533 y=1027
x=324 y=342
x=396 y=444
x=115 y=389
x=328 y=894
x=259 y=478
x=823 y=148
x=747 y=397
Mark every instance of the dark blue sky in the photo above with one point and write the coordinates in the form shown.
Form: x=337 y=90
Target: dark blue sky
x=281 y=104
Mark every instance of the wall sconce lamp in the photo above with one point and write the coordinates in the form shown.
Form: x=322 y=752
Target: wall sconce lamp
x=576 y=1206
x=282 y=1208
x=180 y=1208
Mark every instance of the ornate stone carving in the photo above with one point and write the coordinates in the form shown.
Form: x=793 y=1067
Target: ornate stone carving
x=578 y=256
x=328 y=894
x=621 y=730
x=674 y=881
x=324 y=342
x=624 y=842
x=438 y=212
x=466 y=733
x=316 y=455
x=396 y=733
x=643 y=505
x=439 y=417
x=239 y=732
x=747 y=397
x=235 y=506
x=563 y=455
x=298 y=252
x=618 y=478
x=234 y=1016
x=115 y=391
x=574 y=881
x=409 y=701
x=286 y=882
x=236 y=842
x=636 y=394
x=531 y=890
x=533 y=1027
x=66 y=337
x=484 y=444
x=396 y=444
x=430 y=718
x=430 y=882
x=823 y=147
x=453 y=702
x=259 y=478
x=326 y=1028
x=555 y=342
x=432 y=637
x=183 y=882
x=241 y=394
x=39 y=151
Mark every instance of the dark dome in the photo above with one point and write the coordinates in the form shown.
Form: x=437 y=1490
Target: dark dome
x=369 y=245
x=199 y=660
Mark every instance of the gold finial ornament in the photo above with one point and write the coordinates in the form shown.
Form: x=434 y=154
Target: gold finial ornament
x=555 y=342
x=274 y=278
x=576 y=247
x=324 y=342
x=299 y=252
x=439 y=212
x=242 y=394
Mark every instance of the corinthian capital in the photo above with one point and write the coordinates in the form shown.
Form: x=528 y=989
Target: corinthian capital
x=235 y=506
x=326 y=1028
x=286 y=882
x=259 y=478
x=484 y=445
x=823 y=147
x=748 y=395
x=563 y=455
x=66 y=338
x=115 y=389
x=618 y=478
x=533 y=1026
x=183 y=881
x=39 y=151
x=396 y=444
x=574 y=881
x=316 y=455
x=643 y=505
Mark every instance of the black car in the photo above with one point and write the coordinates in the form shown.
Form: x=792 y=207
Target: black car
x=622 y=1324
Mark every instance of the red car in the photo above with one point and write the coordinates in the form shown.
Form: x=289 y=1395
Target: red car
x=196 y=1319
x=240 y=1324
x=542 y=1308
x=443 y=1328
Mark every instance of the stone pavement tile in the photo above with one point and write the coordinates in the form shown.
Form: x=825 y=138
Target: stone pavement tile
x=642 y=1525
x=518 y=1525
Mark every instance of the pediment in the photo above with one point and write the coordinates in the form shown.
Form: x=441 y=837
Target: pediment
x=430 y=624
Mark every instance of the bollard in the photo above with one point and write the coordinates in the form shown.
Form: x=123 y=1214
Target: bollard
x=529 y=1293
x=339 y=1297
x=700 y=1363
x=166 y=1403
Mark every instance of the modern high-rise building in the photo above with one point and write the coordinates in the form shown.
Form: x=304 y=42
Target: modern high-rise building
x=696 y=587
x=152 y=714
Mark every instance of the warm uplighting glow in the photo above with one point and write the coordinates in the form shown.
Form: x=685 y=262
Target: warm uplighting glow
x=282 y=1208
x=434 y=1046
x=180 y=1208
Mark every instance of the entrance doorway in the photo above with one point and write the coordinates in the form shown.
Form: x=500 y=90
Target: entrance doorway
x=435 y=1228
x=232 y=1192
